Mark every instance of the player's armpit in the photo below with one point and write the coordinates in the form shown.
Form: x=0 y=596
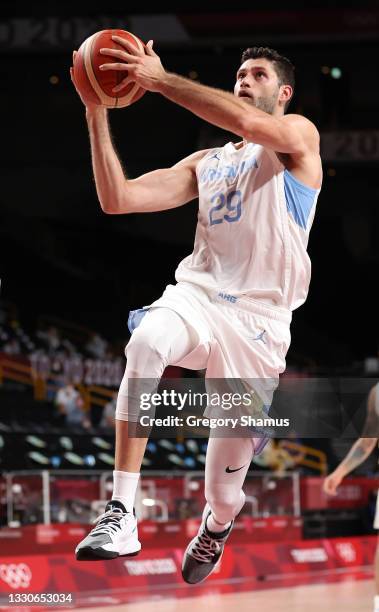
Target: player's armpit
x=291 y=134
x=161 y=189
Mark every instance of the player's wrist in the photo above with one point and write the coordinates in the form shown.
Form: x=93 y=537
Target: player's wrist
x=167 y=82
x=340 y=472
x=95 y=110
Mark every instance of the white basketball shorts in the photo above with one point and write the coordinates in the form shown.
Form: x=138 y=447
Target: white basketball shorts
x=237 y=337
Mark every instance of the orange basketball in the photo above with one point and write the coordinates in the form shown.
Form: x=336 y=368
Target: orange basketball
x=96 y=85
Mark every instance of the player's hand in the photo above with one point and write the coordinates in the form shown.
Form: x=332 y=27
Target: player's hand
x=331 y=483
x=87 y=103
x=143 y=66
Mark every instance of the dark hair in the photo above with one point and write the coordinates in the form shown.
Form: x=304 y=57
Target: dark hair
x=284 y=69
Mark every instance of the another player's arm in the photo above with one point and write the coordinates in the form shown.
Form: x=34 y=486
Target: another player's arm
x=158 y=190
x=360 y=450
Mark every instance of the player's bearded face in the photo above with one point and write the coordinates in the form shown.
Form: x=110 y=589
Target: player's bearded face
x=264 y=103
x=257 y=84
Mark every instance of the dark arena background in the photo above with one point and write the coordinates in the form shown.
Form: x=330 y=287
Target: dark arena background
x=70 y=274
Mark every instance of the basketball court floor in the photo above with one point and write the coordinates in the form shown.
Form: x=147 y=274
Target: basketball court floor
x=349 y=596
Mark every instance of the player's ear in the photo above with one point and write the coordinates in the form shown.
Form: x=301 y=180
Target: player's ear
x=286 y=93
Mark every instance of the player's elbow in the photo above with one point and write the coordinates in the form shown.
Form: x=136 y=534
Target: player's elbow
x=272 y=133
x=258 y=128
x=115 y=205
x=109 y=207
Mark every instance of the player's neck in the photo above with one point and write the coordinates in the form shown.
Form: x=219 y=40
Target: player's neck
x=241 y=144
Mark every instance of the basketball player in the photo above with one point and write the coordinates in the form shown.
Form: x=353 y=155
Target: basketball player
x=231 y=308
x=358 y=453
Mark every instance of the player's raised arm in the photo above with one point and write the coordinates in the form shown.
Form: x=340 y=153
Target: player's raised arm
x=158 y=190
x=249 y=113
x=291 y=134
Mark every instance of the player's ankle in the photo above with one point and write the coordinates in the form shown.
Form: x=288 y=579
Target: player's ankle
x=214 y=526
x=124 y=488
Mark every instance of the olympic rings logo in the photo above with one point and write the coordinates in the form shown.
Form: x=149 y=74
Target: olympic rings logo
x=16 y=575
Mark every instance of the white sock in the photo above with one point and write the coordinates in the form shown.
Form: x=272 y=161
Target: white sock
x=125 y=487
x=216 y=527
x=376 y=603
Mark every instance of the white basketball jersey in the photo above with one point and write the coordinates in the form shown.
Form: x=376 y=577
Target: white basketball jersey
x=253 y=227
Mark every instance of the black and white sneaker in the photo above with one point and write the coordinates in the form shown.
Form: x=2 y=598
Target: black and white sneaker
x=204 y=552
x=115 y=535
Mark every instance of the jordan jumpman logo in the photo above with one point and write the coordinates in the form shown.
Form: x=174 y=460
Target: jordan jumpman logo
x=260 y=337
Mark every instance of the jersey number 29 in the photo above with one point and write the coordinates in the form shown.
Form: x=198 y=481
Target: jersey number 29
x=233 y=203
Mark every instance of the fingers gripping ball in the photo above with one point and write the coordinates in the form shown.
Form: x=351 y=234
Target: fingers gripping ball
x=97 y=85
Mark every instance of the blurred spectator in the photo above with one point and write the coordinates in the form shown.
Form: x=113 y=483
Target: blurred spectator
x=70 y=404
x=108 y=416
x=68 y=349
x=97 y=347
x=12 y=347
x=50 y=338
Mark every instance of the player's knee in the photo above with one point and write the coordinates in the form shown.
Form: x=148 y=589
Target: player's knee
x=224 y=505
x=146 y=339
x=139 y=341
x=144 y=356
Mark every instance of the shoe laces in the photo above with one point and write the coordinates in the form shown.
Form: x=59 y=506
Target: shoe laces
x=110 y=521
x=205 y=548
